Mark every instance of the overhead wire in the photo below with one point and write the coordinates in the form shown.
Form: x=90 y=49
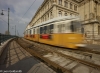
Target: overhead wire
x=4 y=20
x=27 y=10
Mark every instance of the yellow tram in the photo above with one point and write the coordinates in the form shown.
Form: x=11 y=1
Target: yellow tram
x=61 y=31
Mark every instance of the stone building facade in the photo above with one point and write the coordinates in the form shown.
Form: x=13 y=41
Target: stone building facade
x=87 y=10
x=54 y=8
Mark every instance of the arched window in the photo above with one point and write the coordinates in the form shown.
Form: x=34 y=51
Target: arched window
x=48 y=15
x=51 y=16
x=60 y=13
x=60 y=2
x=75 y=7
x=65 y=4
x=71 y=6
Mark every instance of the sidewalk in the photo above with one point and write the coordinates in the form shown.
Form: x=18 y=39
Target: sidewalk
x=17 y=60
x=3 y=44
x=93 y=47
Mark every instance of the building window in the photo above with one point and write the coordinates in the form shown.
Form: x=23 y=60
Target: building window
x=60 y=2
x=85 y=16
x=65 y=4
x=60 y=13
x=48 y=15
x=65 y=14
x=51 y=14
x=48 y=5
x=45 y=17
x=75 y=7
x=71 y=5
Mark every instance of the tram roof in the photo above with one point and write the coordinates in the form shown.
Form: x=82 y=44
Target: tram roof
x=58 y=19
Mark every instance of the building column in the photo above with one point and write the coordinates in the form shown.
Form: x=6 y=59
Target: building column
x=54 y=11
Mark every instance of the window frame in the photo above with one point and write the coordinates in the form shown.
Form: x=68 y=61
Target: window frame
x=71 y=6
x=60 y=2
x=51 y=26
x=75 y=7
x=65 y=4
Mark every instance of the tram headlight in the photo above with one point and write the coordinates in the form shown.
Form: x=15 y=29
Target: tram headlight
x=81 y=45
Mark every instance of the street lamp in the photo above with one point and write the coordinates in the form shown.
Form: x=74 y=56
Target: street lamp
x=8 y=18
x=2 y=13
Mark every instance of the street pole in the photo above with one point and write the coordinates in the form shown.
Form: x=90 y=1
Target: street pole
x=15 y=30
x=8 y=20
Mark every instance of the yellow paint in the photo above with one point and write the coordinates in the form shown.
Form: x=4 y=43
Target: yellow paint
x=64 y=40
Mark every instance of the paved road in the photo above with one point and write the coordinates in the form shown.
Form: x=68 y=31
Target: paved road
x=16 y=60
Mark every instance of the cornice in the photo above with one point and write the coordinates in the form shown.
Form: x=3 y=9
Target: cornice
x=78 y=1
x=66 y=8
x=39 y=9
x=51 y=9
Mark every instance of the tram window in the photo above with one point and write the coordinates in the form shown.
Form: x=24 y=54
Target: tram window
x=82 y=30
x=41 y=30
x=30 y=31
x=75 y=25
x=38 y=30
x=51 y=28
x=63 y=27
x=59 y=28
x=72 y=26
x=45 y=29
x=33 y=31
x=48 y=29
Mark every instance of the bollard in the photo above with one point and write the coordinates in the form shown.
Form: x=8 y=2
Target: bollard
x=0 y=39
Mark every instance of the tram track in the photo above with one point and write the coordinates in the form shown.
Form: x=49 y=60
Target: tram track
x=52 y=57
x=79 y=54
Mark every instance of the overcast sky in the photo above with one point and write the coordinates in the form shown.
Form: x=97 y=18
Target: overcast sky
x=17 y=10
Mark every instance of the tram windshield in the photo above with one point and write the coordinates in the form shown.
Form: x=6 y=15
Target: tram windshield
x=75 y=26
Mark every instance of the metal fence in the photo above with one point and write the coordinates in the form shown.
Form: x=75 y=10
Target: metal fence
x=4 y=37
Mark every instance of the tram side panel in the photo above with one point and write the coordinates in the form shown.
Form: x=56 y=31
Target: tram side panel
x=57 y=34
x=71 y=39
x=47 y=36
